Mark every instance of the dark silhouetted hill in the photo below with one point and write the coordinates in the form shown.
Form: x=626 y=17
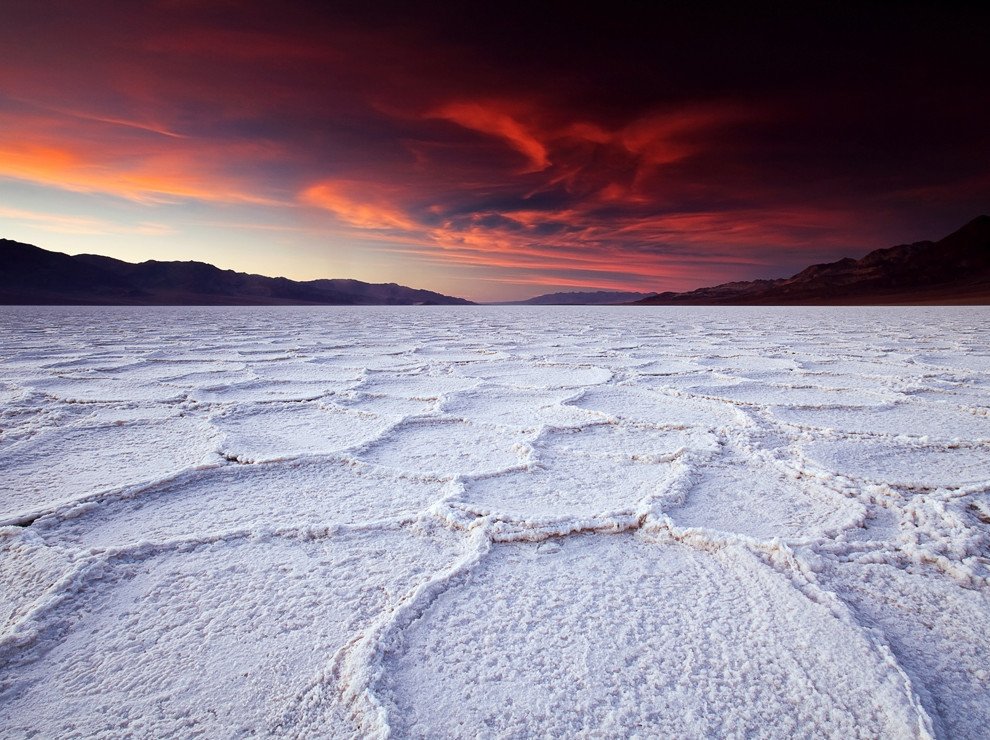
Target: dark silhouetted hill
x=953 y=270
x=31 y=275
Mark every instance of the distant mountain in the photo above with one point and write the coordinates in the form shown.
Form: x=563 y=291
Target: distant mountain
x=953 y=270
x=584 y=298
x=31 y=275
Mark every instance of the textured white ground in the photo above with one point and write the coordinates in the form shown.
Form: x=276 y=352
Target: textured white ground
x=487 y=522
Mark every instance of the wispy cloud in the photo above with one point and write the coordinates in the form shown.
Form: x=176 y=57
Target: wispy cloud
x=88 y=225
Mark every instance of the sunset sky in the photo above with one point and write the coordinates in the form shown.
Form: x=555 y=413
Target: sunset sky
x=491 y=153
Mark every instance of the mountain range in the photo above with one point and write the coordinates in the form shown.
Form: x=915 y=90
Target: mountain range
x=31 y=275
x=953 y=270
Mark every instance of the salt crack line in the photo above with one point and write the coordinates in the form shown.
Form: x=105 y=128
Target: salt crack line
x=357 y=668
x=33 y=625
x=90 y=564
x=456 y=513
x=935 y=529
x=255 y=532
x=909 y=550
x=80 y=504
x=801 y=572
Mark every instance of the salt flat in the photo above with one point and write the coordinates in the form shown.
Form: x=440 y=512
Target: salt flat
x=495 y=521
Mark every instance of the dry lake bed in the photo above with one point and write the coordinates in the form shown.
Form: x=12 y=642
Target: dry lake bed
x=494 y=521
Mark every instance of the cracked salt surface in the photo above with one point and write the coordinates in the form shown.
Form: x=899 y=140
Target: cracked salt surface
x=464 y=522
x=625 y=635
x=206 y=638
x=64 y=464
x=274 y=432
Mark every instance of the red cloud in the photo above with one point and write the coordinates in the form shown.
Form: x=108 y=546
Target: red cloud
x=358 y=206
x=586 y=248
x=94 y=154
x=662 y=138
x=488 y=118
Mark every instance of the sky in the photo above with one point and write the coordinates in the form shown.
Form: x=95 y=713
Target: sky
x=492 y=152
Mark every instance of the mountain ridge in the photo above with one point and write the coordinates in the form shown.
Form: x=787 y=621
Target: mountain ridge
x=952 y=270
x=32 y=275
